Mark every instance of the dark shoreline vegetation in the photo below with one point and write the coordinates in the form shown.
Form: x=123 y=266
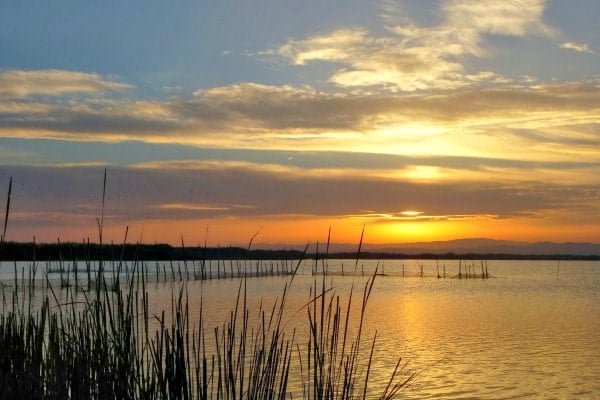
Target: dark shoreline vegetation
x=17 y=251
x=97 y=340
x=94 y=337
x=98 y=343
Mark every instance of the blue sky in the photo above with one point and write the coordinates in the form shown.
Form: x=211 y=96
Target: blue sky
x=157 y=46
x=481 y=116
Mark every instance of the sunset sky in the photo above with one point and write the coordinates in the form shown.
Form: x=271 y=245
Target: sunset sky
x=217 y=120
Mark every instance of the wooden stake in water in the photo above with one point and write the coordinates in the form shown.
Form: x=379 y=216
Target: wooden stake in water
x=482 y=271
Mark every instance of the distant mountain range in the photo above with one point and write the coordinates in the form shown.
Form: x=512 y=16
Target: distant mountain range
x=468 y=246
x=461 y=248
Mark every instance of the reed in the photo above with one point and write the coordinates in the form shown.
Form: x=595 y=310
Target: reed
x=100 y=344
x=104 y=344
x=7 y=211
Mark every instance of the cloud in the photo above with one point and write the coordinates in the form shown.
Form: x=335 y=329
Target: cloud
x=425 y=170
x=84 y=119
x=199 y=207
x=414 y=58
x=394 y=63
x=254 y=107
x=578 y=47
x=46 y=196
x=21 y=84
x=509 y=17
x=182 y=193
x=554 y=121
x=340 y=45
x=400 y=217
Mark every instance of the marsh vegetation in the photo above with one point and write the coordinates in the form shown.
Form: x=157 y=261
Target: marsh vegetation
x=94 y=333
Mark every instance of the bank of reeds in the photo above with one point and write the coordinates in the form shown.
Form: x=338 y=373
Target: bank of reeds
x=104 y=344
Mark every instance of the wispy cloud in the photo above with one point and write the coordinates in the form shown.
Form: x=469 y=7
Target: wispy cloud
x=47 y=197
x=509 y=17
x=551 y=120
x=421 y=170
x=179 y=193
x=21 y=84
x=201 y=207
x=413 y=58
x=578 y=47
x=385 y=218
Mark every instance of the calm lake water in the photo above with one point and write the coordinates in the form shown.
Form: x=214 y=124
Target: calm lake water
x=529 y=331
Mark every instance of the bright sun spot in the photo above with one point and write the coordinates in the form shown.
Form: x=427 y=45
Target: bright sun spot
x=422 y=172
x=410 y=213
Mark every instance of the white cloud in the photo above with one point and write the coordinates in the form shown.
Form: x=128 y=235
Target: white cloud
x=507 y=17
x=341 y=45
x=411 y=57
x=578 y=47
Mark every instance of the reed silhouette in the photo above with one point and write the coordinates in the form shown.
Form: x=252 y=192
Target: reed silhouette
x=99 y=341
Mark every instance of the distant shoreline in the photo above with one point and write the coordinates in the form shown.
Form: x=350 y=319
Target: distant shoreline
x=16 y=251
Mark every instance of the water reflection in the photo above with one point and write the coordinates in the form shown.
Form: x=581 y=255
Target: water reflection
x=522 y=333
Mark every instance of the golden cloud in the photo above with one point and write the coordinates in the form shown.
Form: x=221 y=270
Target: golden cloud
x=22 y=84
x=552 y=120
x=193 y=207
x=385 y=218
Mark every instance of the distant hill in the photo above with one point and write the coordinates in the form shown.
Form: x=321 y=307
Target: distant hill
x=469 y=246
x=490 y=246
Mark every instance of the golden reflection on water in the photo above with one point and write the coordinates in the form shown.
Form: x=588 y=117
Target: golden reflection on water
x=523 y=333
x=490 y=339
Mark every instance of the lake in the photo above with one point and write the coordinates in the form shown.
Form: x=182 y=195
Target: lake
x=530 y=330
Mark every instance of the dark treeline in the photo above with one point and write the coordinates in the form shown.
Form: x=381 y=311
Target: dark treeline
x=14 y=251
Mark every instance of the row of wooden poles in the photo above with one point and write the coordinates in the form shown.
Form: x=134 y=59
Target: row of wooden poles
x=72 y=272
x=85 y=274
x=465 y=270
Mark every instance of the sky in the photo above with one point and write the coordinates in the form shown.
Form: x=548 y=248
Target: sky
x=275 y=121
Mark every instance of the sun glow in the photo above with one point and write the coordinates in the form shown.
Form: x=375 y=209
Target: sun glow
x=410 y=213
x=423 y=173
x=410 y=129
x=404 y=231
